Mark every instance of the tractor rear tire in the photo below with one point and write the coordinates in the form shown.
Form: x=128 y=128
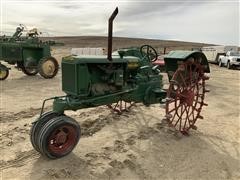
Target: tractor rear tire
x=4 y=74
x=37 y=126
x=29 y=71
x=48 y=67
x=58 y=137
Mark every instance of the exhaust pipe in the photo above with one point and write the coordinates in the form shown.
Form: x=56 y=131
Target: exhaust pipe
x=110 y=29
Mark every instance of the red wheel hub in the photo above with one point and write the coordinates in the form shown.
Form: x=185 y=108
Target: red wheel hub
x=62 y=139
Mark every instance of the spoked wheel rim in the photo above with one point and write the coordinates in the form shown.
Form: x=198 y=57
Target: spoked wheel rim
x=62 y=139
x=48 y=67
x=121 y=106
x=186 y=96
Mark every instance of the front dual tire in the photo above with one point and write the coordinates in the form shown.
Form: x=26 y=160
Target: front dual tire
x=54 y=135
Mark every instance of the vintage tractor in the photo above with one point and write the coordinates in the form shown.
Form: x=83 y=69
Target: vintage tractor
x=29 y=53
x=118 y=80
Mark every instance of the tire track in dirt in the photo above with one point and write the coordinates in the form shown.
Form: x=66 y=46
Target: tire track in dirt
x=88 y=128
x=29 y=113
x=113 y=167
x=21 y=158
x=8 y=138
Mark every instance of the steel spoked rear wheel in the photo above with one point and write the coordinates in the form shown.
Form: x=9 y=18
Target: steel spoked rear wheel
x=186 y=95
x=121 y=106
x=48 y=67
x=58 y=137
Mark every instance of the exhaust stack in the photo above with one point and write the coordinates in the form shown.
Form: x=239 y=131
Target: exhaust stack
x=110 y=29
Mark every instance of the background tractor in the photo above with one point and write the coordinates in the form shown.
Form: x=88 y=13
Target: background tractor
x=29 y=53
x=118 y=80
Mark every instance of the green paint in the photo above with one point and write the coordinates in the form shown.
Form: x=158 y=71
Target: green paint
x=24 y=51
x=91 y=81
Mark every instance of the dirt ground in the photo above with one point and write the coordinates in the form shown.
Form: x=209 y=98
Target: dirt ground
x=134 y=145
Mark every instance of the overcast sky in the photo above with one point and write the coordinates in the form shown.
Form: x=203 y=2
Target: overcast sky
x=207 y=21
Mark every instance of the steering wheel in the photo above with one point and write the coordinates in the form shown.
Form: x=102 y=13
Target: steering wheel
x=149 y=52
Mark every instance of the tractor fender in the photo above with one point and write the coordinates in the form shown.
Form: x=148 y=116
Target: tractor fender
x=175 y=58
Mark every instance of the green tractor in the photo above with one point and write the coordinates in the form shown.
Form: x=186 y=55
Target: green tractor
x=118 y=80
x=29 y=53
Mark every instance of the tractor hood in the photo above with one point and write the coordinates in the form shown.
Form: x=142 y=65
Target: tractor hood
x=96 y=59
